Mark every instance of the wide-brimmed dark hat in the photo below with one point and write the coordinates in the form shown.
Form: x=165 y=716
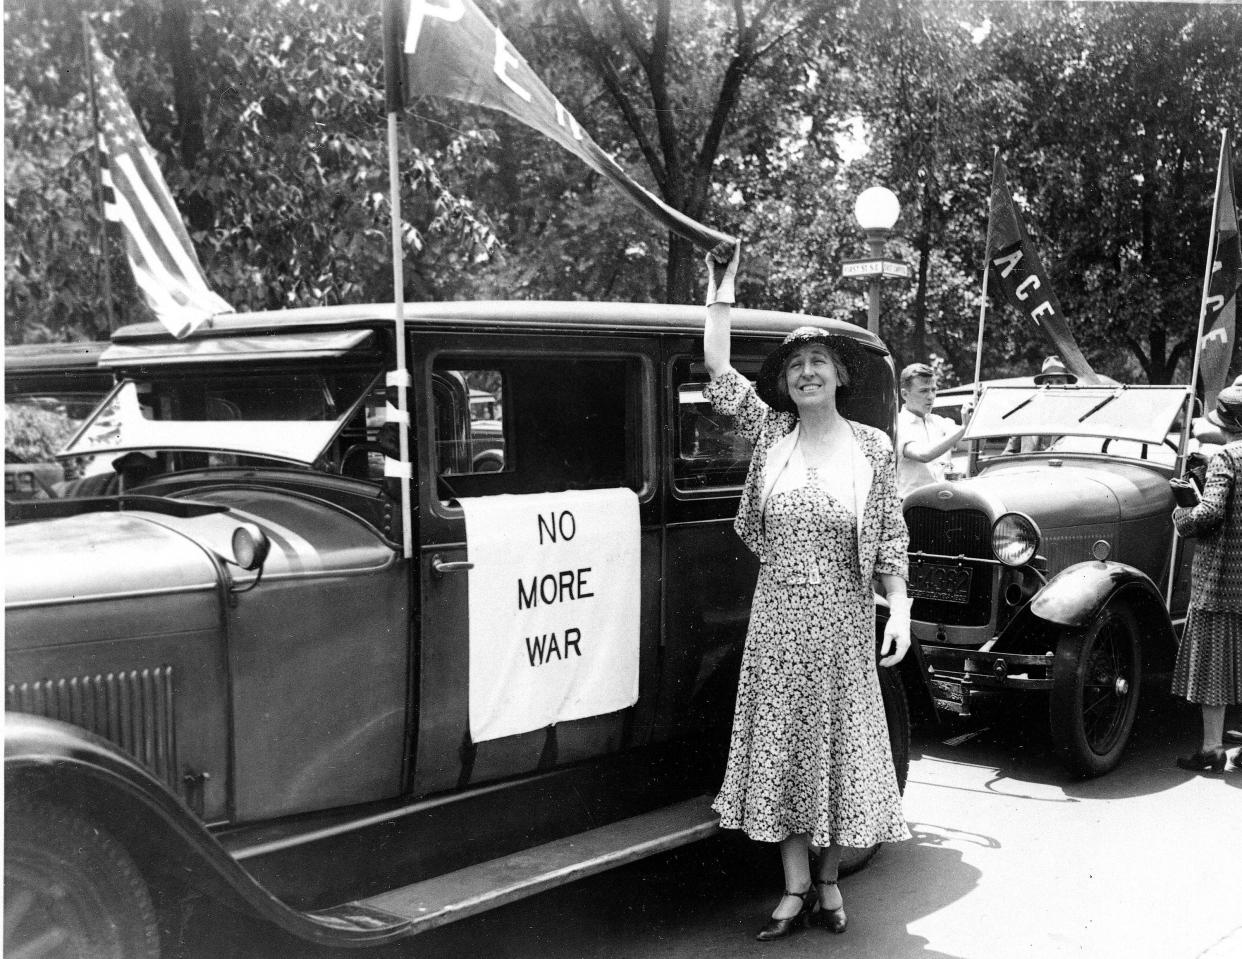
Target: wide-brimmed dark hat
x=1228 y=412
x=1054 y=367
x=850 y=351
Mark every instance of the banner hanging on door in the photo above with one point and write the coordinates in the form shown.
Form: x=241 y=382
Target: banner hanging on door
x=554 y=608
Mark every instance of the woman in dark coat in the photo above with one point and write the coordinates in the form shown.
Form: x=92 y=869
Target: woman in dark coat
x=1209 y=660
x=809 y=758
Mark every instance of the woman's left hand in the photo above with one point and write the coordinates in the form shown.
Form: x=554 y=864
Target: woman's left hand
x=896 y=640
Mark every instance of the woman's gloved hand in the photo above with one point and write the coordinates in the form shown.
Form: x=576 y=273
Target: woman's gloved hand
x=896 y=640
x=720 y=290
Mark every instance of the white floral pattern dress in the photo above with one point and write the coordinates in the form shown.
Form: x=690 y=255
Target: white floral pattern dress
x=810 y=750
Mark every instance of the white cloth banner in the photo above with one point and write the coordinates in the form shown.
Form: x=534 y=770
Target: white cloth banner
x=554 y=608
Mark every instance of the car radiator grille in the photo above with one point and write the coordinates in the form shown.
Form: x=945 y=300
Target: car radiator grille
x=960 y=532
x=955 y=532
x=133 y=709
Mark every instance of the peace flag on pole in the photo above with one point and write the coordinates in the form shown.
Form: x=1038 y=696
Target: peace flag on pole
x=451 y=50
x=1020 y=277
x=161 y=256
x=1220 y=300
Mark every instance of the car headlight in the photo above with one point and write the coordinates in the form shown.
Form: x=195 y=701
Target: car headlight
x=1015 y=539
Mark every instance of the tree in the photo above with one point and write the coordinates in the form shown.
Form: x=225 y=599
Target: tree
x=286 y=200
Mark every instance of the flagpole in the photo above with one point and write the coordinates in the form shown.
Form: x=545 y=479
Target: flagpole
x=1211 y=250
x=983 y=312
x=398 y=378
x=105 y=250
x=1188 y=415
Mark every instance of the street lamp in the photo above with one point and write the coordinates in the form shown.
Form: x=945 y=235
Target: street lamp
x=876 y=210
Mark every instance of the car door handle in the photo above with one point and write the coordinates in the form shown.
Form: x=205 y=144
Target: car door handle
x=441 y=567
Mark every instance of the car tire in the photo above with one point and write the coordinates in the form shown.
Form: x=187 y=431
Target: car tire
x=71 y=890
x=1096 y=676
x=897 y=712
x=488 y=462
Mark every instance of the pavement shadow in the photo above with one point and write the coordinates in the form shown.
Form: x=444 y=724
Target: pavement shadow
x=1014 y=741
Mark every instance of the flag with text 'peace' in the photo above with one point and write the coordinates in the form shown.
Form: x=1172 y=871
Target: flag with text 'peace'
x=447 y=48
x=1220 y=304
x=161 y=256
x=1019 y=279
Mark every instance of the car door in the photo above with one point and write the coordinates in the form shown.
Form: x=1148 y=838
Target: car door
x=574 y=413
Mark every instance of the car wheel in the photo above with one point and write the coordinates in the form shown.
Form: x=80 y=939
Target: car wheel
x=1095 y=690
x=897 y=712
x=71 y=890
x=488 y=462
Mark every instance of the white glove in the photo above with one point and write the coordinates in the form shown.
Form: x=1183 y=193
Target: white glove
x=721 y=291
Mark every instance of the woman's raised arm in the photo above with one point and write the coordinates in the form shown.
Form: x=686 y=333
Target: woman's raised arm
x=719 y=307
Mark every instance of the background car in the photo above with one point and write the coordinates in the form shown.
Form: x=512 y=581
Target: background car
x=49 y=388
x=1056 y=573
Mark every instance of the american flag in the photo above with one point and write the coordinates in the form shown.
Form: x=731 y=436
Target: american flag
x=135 y=195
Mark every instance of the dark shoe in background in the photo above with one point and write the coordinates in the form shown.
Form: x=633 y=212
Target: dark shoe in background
x=1205 y=760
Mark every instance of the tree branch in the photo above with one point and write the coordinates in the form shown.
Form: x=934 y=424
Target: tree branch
x=597 y=54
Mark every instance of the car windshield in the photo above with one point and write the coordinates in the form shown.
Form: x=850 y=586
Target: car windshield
x=1144 y=414
x=282 y=414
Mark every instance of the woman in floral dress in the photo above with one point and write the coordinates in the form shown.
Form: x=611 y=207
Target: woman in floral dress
x=809 y=758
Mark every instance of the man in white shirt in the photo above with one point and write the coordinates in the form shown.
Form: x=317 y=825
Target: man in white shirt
x=924 y=438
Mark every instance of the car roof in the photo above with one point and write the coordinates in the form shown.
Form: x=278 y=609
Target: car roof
x=579 y=316
x=52 y=356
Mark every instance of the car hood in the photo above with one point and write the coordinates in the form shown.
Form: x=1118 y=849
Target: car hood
x=103 y=554
x=1055 y=496
x=141 y=551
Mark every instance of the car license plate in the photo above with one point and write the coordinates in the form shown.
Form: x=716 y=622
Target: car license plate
x=939 y=581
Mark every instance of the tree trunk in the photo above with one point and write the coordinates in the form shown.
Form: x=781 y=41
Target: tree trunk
x=679 y=275
x=185 y=80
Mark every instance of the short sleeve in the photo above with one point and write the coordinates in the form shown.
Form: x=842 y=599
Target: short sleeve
x=731 y=394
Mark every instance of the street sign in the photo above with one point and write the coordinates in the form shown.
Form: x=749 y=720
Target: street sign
x=875 y=267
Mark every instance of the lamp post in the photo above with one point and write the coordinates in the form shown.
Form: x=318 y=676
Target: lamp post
x=876 y=210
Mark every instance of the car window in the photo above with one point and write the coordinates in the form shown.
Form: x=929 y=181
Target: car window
x=279 y=413
x=709 y=454
x=469 y=427
x=560 y=423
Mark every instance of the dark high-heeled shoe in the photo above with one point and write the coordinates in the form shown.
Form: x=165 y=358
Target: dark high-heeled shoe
x=1205 y=760
x=834 y=920
x=780 y=928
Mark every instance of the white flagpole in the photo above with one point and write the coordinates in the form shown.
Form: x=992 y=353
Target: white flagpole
x=398 y=378
x=983 y=312
x=1207 y=268
x=1194 y=370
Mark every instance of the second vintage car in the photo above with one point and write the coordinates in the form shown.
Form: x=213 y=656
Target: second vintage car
x=1056 y=573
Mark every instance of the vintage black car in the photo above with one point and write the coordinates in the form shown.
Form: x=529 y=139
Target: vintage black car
x=1051 y=573
x=235 y=675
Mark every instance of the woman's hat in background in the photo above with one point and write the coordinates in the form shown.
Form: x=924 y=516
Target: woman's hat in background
x=1228 y=412
x=849 y=350
x=1054 y=367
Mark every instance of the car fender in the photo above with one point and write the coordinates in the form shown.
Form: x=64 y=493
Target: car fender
x=1076 y=595
x=55 y=761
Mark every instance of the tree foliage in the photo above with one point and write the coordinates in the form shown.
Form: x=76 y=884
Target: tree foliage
x=745 y=114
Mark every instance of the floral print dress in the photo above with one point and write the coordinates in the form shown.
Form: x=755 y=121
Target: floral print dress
x=809 y=752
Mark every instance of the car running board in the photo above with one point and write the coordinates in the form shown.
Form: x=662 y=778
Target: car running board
x=475 y=889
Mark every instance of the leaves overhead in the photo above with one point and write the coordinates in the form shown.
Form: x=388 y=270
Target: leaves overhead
x=762 y=117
